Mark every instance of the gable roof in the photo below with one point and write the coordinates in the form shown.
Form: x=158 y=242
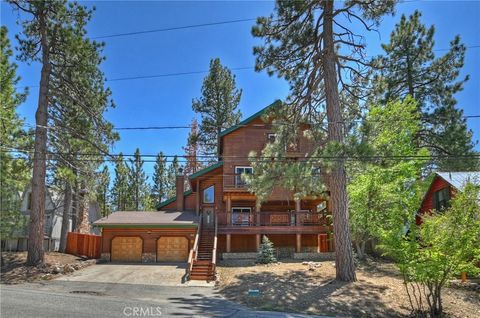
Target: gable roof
x=206 y=170
x=148 y=219
x=166 y=202
x=459 y=179
x=251 y=118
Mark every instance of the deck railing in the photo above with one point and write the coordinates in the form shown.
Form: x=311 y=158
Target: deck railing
x=214 y=251
x=192 y=256
x=234 y=182
x=270 y=218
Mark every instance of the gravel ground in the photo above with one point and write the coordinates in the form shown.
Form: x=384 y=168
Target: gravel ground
x=295 y=287
x=15 y=271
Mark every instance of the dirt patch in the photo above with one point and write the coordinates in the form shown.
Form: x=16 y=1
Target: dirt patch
x=312 y=289
x=15 y=271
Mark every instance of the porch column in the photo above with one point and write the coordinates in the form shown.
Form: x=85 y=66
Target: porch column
x=257 y=241
x=318 y=244
x=298 y=205
x=229 y=209
x=257 y=213
x=299 y=243
x=197 y=198
x=297 y=209
x=229 y=243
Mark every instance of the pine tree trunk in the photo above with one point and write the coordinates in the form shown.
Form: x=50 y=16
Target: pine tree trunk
x=337 y=179
x=67 y=202
x=75 y=205
x=37 y=216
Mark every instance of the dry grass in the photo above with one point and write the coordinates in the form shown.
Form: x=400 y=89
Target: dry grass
x=292 y=287
x=15 y=271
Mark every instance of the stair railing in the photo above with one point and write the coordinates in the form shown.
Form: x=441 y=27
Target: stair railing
x=192 y=257
x=214 y=251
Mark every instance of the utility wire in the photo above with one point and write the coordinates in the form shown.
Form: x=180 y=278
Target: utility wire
x=256 y=125
x=173 y=28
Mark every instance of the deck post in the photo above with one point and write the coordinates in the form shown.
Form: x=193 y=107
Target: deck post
x=318 y=244
x=297 y=209
x=229 y=210
x=257 y=241
x=257 y=213
x=229 y=243
x=299 y=243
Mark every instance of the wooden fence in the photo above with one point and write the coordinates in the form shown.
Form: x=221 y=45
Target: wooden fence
x=84 y=244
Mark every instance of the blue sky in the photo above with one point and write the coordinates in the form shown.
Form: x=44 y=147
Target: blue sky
x=167 y=100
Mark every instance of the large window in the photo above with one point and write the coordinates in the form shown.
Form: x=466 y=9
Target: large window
x=441 y=199
x=209 y=195
x=238 y=175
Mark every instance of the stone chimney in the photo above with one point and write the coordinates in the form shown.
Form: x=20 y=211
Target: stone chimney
x=180 y=189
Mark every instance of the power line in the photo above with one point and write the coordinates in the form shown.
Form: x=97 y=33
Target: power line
x=258 y=158
x=139 y=77
x=256 y=125
x=173 y=28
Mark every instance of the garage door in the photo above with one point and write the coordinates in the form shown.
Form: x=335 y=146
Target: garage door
x=126 y=249
x=172 y=249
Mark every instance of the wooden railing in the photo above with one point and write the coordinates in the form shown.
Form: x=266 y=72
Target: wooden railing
x=214 y=251
x=192 y=256
x=270 y=218
x=233 y=181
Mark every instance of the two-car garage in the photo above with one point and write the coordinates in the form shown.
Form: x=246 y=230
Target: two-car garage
x=147 y=237
x=130 y=248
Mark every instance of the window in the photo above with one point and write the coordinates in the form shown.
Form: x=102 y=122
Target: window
x=29 y=201
x=271 y=137
x=322 y=207
x=241 y=216
x=238 y=175
x=441 y=198
x=209 y=195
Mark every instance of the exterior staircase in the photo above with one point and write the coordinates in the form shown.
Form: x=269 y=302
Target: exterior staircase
x=203 y=266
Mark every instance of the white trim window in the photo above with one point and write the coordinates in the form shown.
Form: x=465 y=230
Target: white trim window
x=239 y=170
x=241 y=216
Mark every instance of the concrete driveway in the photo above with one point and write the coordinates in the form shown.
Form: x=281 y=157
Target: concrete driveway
x=119 y=290
x=164 y=274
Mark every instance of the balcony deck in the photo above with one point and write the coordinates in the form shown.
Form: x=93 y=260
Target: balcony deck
x=273 y=222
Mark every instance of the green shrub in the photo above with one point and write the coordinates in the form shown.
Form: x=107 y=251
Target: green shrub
x=266 y=254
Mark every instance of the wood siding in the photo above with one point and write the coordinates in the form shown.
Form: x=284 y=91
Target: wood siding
x=437 y=184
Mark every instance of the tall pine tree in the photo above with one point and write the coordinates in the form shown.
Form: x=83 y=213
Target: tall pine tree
x=14 y=173
x=172 y=172
x=314 y=45
x=138 y=187
x=160 y=180
x=120 y=189
x=193 y=164
x=53 y=33
x=218 y=106
x=410 y=67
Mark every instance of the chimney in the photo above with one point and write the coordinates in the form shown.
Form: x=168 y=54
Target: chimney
x=180 y=186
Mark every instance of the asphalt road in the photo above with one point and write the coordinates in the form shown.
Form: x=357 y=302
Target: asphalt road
x=70 y=299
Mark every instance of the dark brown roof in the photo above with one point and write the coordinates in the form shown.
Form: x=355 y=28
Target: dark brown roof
x=149 y=218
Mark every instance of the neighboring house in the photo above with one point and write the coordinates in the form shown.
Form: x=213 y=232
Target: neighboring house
x=231 y=220
x=52 y=222
x=443 y=188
